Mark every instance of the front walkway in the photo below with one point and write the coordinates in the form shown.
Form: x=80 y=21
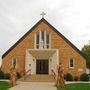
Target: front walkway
x=34 y=86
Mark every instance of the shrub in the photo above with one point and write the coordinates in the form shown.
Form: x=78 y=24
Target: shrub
x=75 y=78
x=7 y=76
x=68 y=77
x=84 y=77
x=18 y=75
x=1 y=74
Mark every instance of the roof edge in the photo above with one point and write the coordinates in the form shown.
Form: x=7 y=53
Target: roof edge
x=71 y=44
x=30 y=30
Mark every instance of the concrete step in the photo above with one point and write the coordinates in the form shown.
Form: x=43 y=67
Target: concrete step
x=40 y=78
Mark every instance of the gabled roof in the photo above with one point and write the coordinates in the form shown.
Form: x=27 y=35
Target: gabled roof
x=42 y=20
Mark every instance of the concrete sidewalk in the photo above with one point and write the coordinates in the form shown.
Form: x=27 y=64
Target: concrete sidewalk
x=34 y=86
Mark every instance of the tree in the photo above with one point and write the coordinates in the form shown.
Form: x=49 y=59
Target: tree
x=86 y=52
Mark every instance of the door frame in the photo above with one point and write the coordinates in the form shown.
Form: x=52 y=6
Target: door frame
x=45 y=67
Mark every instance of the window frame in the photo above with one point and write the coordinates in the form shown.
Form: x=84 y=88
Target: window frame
x=48 y=44
x=44 y=41
x=38 y=33
x=43 y=37
x=13 y=62
x=72 y=67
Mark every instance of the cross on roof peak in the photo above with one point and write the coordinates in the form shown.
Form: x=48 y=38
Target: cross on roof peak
x=43 y=14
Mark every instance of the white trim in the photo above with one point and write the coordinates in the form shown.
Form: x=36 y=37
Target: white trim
x=47 y=33
x=49 y=40
x=35 y=41
x=40 y=39
x=29 y=59
x=53 y=59
x=42 y=49
x=73 y=63
x=45 y=40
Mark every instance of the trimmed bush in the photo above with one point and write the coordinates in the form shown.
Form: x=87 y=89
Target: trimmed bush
x=1 y=74
x=7 y=76
x=84 y=77
x=75 y=78
x=68 y=77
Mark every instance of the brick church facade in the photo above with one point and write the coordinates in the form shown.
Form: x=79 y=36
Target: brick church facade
x=41 y=49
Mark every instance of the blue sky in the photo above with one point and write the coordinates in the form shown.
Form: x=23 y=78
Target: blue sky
x=70 y=17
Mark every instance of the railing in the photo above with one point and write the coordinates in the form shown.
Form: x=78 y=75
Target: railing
x=54 y=74
x=27 y=73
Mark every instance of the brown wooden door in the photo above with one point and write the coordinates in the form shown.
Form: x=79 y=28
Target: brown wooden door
x=41 y=66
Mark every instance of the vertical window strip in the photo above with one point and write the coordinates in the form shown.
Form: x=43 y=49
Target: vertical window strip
x=47 y=40
x=71 y=63
x=42 y=39
x=37 y=40
x=14 y=62
x=42 y=35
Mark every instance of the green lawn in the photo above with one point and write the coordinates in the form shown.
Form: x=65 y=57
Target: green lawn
x=76 y=86
x=4 y=85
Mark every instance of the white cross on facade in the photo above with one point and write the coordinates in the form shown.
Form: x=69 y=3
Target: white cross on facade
x=42 y=14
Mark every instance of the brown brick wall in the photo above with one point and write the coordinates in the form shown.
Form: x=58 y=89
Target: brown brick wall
x=65 y=52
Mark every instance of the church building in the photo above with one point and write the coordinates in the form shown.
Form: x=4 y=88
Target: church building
x=41 y=49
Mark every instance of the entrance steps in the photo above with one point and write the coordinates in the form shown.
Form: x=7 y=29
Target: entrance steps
x=40 y=78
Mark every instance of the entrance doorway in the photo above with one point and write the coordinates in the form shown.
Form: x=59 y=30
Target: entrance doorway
x=41 y=66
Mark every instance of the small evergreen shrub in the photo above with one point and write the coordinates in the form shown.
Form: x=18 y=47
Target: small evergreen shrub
x=68 y=77
x=84 y=77
x=1 y=74
x=75 y=78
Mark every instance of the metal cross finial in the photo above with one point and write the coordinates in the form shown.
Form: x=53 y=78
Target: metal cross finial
x=42 y=14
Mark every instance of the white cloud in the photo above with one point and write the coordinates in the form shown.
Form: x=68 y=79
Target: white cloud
x=70 y=17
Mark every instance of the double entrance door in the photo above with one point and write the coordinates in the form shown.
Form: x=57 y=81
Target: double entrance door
x=41 y=66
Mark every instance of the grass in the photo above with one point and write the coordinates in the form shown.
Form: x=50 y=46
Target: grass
x=4 y=85
x=76 y=86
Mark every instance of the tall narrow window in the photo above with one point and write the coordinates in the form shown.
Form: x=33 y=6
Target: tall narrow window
x=37 y=40
x=42 y=35
x=42 y=40
x=47 y=40
x=71 y=63
x=14 y=62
